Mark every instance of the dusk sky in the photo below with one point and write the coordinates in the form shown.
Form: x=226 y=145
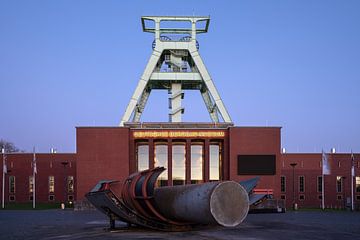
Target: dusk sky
x=294 y=64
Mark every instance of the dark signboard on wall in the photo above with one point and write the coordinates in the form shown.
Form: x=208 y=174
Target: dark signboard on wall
x=256 y=164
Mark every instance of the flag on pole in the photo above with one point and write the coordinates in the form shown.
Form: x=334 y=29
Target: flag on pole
x=4 y=165
x=4 y=160
x=34 y=163
x=352 y=180
x=352 y=165
x=325 y=164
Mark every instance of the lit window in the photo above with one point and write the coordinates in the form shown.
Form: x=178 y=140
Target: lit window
x=161 y=160
x=51 y=184
x=197 y=163
x=178 y=163
x=357 y=183
x=338 y=184
x=70 y=184
x=31 y=184
x=215 y=162
x=142 y=157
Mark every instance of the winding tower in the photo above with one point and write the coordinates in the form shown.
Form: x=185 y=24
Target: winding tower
x=175 y=65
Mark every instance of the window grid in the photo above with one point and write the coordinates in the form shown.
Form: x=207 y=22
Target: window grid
x=319 y=183
x=12 y=184
x=283 y=183
x=301 y=184
x=51 y=184
x=70 y=184
x=31 y=184
x=338 y=184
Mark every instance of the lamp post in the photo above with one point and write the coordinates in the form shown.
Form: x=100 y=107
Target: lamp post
x=65 y=182
x=293 y=165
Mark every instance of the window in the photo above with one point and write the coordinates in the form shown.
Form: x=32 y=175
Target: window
x=338 y=184
x=319 y=183
x=283 y=183
x=197 y=159
x=70 y=198
x=283 y=197
x=31 y=198
x=142 y=157
x=357 y=183
x=12 y=184
x=51 y=198
x=358 y=197
x=70 y=184
x=12 y=198
x=339 y=197
x=31 y=184
x=51 y=184
x=161 y=160
x=301 y=183
x=215 y=162
x=178 y=163
x=320 y=197
x=301 y=197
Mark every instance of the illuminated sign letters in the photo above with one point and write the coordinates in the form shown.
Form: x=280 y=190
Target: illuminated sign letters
x=178 y=134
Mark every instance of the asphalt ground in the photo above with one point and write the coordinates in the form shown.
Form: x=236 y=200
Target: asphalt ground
x=68 y=224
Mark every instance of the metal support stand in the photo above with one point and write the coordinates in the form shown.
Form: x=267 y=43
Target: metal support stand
x=112 y=223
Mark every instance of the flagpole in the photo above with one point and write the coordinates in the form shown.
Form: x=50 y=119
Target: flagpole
x=322 y=193
x=323 y=163
x=352 y=193
x=34 y=182
x=3 y=178
x=322 y=180
x=352 y=181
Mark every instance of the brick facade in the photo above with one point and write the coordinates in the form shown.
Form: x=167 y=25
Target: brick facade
x=109 y=153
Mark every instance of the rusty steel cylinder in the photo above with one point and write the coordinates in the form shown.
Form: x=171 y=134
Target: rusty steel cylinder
x=224 y=203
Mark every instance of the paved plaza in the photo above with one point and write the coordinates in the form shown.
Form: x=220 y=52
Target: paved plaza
x=68 y=224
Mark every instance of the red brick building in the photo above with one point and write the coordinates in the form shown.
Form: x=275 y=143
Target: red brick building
x=113 y=153
x=55 y=179
x=192 y=153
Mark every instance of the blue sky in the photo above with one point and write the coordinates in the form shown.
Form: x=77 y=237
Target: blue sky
x=294 y=64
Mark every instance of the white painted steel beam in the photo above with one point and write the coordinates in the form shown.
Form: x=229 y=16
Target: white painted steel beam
x=210 y=86
x=179 y=76
x=141 y=86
